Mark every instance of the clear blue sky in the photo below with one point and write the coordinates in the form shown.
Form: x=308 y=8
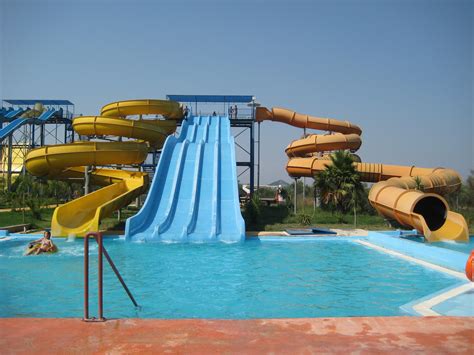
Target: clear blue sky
x=402 y=70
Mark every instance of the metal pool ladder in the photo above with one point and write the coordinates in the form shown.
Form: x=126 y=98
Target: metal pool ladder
x=102 y=252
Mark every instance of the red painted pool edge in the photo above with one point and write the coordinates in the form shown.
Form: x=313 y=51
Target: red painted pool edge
x=198 y=336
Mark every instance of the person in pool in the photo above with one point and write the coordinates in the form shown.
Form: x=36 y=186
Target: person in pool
x=42 y=245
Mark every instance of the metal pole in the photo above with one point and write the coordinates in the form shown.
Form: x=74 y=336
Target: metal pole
x=258 y=166
x=154 y=160
x=86 y=180
x=99 y=240
x=100 y=274
x=304 y=178
x=253 y=109
x=117 y=273
x=252 y=160
x=42 y=134
x=86 y=277
x=296 y=180
x=86 y=175
x=72 y=134
x=252 y=152
x=304 y=194
x=138 y=201
x=9 y=162
x=32 y=136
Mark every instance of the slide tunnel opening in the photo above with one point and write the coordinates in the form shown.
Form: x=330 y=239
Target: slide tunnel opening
x=433 y=210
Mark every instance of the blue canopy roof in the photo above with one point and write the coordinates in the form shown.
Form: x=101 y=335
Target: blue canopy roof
x=211 y=98
x=44 y=102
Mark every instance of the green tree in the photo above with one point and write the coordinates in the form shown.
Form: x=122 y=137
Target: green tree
x=363 y=204
x=339 y=184
x=266 y=192
x=464 y=198
x=30 y=192
x=418 y=183
x=252 y=211
x=290 y=193
x=468 y=193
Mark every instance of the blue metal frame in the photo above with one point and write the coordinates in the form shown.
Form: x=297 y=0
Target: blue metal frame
x=56 y=112
x=44 y=102
x=212 y=98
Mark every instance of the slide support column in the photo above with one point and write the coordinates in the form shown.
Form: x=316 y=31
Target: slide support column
x=86 y=180
x=294 y=207
x=252 y=159
x=304 y=179
x=258 y=158
x=9 y=162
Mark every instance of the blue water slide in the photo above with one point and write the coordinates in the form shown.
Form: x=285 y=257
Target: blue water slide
x=195 y=180
x=46 y=115
x=231 y=222
x=144 y=225
x=3 y=112
x=15 y=124
x=14 y=113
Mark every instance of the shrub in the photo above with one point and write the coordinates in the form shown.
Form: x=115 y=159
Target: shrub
x=252 y=211
x=304 y=219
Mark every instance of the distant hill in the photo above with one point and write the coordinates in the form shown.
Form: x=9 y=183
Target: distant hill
x=279 y=182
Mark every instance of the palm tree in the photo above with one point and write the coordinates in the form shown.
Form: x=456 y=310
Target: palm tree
x=28 y=192
x=418 y=183
x=339 y=184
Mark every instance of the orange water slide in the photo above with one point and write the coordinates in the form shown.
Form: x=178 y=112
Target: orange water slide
x=393 y=195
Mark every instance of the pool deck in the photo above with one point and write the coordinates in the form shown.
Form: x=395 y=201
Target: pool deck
x=432 y=335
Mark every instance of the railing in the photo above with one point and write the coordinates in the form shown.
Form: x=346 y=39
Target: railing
x=101 y=252
x=240 y=115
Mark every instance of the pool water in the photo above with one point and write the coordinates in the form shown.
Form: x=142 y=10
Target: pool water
x=465 y=248
x=322 y=278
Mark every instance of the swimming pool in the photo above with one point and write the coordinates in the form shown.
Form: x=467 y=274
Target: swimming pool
x=465 y=248
x=255 y=279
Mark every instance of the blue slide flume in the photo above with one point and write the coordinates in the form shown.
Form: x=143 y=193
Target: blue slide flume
x=13 y=113
x=18 y=122
x=193 y=196
x=13 y=125
x=46 y=115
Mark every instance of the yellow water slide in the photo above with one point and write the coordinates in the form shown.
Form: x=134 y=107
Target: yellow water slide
x=67 y=161
x=393 y=195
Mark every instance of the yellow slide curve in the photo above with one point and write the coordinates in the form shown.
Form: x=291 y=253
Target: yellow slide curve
x=393 y=195
x=67 y=161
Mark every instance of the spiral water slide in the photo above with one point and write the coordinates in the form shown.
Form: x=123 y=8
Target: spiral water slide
x=67 y=161
x=393 y=195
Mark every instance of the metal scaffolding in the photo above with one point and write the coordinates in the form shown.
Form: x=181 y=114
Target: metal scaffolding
x=241 y=111
x=28 y=124
x=24 y=127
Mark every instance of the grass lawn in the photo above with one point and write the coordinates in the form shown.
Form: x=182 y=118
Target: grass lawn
x=272 y=218
x=277 y=218
x=19 y=217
